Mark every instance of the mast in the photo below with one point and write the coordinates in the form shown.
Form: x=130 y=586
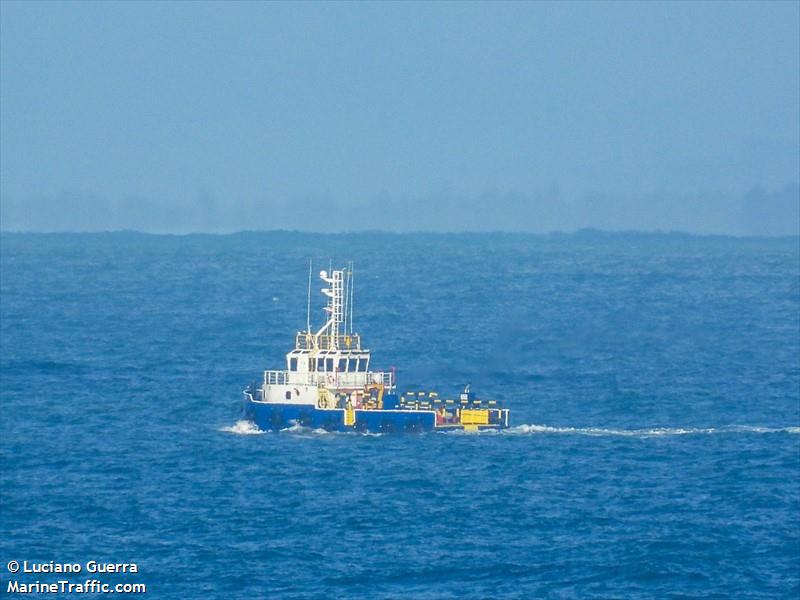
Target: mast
x=335 y=294
x=346 y=296
x=308 y=309
x=351 y=280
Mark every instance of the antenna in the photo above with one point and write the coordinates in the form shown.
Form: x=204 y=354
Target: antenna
x=308 y=310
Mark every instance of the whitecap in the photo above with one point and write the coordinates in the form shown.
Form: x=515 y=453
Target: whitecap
x=243 y=428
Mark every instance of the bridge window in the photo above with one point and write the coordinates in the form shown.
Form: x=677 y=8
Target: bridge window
x=352 y=364
x=342 y=365
x=293 y=364
x=362 y=364
x=329 y=365
x=320 y=364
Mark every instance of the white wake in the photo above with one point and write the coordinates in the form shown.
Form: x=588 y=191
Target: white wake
x=243 y=427
x=646 y=432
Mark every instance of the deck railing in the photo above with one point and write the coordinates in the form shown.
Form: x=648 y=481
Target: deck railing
x=333 y=380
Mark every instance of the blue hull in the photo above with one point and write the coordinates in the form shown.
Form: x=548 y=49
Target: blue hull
x=281 y=416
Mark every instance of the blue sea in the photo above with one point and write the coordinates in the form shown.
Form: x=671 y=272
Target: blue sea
x=653 y=381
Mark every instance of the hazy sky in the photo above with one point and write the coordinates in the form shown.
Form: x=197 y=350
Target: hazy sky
x=324 y=116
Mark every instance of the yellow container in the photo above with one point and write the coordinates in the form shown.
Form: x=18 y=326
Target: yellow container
x=474 y=417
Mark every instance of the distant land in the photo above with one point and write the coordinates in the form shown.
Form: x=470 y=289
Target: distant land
x=756 y=212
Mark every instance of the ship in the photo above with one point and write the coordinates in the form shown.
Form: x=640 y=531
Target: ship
x=328 y=383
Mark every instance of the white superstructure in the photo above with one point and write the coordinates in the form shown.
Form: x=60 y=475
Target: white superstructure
x=329 y=363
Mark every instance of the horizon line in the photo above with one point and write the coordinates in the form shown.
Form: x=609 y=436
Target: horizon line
x=584 y=231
